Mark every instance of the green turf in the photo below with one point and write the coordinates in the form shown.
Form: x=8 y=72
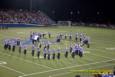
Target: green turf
x=100 y=56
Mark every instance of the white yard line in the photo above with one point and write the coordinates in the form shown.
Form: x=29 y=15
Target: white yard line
x=100 y=51
x=36 y=63
x=20 y=32
x=101 y=56
x=50 y=67
x=112 y=48
x=60 y=74
x=89 y=52
x=81 y=69
x=65 y=68
x=12 y=69
x=28 y=61
x=3 y=62
x=98 y=56
x=86 y=52
x=47 y=66
x=55 y=69
x=104 y=50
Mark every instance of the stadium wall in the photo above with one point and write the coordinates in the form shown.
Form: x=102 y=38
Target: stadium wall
x=19 y=25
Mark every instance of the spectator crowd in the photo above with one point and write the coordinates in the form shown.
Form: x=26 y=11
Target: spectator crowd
x=24 y=16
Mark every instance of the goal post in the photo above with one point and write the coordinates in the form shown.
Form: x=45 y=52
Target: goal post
x=64 y=23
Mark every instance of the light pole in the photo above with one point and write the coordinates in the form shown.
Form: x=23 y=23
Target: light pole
x=71 y=14
x=78 y=16
x=31 y=5
x=98 y=16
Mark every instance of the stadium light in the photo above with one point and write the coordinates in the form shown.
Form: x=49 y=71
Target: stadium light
x=71 y=12
x=78 y=12
x=98 y=13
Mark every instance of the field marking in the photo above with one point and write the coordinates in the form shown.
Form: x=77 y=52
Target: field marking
x=24 y=60
x=20 y=32
x=36 y=63
x=86 y=52
x=41 y=57
x=110 y=48
x=96 y=54
x=12 y=69
x=3 y=62
x=81 y=69
x=60 y=74
x=105 y=42
x=65 y=68
x=101 y=51
x=28 y=61
x=50 y=67
x=101 y=56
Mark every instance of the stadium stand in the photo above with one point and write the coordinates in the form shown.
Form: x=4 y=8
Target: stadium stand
x=24 y=16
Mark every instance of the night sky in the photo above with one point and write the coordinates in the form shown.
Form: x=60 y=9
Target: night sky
x=92 y=11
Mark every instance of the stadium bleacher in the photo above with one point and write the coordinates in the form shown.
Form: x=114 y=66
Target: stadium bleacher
x=24 y=16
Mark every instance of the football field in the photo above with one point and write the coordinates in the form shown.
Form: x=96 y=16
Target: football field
x=100 y=55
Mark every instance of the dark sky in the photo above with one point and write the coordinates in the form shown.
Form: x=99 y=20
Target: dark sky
x=101 y=11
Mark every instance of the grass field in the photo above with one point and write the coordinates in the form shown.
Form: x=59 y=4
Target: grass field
x=101 y=54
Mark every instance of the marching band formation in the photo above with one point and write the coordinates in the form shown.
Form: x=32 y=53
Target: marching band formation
x=41 y=45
